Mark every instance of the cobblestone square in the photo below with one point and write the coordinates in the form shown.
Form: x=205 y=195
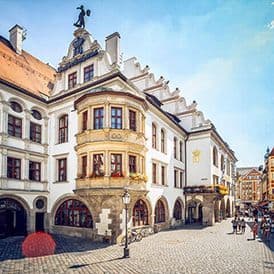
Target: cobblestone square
x=187 y=250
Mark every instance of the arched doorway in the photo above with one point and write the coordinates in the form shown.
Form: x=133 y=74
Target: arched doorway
x=160 y=216
x=191 y=211
x=216 y=211
x=222 y=210
x=13 y=218
x=140 y=213
x=228 y=210
x=200 y=214
x=178 y=211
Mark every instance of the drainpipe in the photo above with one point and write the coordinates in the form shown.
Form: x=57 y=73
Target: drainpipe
x=185 y=174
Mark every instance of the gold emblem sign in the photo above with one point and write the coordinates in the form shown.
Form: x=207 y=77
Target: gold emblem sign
x=196 y=156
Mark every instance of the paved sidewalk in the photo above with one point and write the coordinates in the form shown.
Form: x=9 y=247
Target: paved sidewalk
x=207 y=250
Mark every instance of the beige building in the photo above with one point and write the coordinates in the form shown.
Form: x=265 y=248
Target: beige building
x=248 y=190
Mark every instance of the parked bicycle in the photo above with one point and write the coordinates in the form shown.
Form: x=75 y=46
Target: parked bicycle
x=133 y=236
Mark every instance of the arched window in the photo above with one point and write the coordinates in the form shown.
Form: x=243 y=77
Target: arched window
x=15 y=106
x=63 y=129
x=160 y=212
x=154 y=136
x=36 y=114
x=215 y=157
x=175 y=147
x=140 y=213
x=163 y=137
x=73 y=213
x=222 y=163
x=177 y=212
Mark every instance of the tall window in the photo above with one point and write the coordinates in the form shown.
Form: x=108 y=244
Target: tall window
x=215 y=157
x=154 y=173
x=35 y=132
x=163 y=175
x=88 y=73
x=85 y=120
x=34 y=171
x=116 y=165
x=62 y=170
x=98 y=120
x=84 y=166
x=181 y=179
x=154 y=136
x=132 y=164
x=177 y=212
x=63 y=129
x=98 y=165
x=72 y=80
x=160 y=212
x=14 y=168
x=14 y=126
x=73 y=213
x=163 y=141
x=175 y=177
x=116 y=117
x=228 y=167
x=181 y=150
x=222 y=163
x=132 y=120
x=140 y=214
x=175 y=147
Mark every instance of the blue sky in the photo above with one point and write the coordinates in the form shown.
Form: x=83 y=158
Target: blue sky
x=219 y=53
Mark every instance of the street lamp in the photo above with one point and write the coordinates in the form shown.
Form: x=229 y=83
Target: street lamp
x=126 y=201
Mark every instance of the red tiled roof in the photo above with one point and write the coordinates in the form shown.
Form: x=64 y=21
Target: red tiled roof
x=24 y=70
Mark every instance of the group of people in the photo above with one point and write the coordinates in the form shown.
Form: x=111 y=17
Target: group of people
x=262 y=229
x=238 y=225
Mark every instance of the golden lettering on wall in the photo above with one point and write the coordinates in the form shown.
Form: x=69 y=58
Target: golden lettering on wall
x=196 y=156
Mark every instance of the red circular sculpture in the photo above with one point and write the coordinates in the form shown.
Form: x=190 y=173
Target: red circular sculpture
x=38 y=244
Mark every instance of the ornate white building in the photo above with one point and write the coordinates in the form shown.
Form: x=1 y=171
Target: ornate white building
x=73 y=138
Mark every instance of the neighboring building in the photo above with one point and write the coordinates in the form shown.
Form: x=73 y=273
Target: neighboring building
x=268 y=179
x=249 y=186
x=73 y=138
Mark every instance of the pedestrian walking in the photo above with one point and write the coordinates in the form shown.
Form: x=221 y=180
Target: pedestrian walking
x=243 y=224
x=267 y=228
x=239 y=227
x=254 y=229
x=234 y=225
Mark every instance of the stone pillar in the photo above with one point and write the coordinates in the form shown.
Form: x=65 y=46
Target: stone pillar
x=107 y=114
x=208 y=214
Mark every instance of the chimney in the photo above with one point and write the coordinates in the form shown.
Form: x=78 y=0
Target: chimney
x=16 y=38
x=113 y=47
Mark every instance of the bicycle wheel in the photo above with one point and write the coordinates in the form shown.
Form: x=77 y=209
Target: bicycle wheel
x=123 y=241
x=139 y=237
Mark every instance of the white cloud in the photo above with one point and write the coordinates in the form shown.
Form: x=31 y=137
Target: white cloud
x=271 y=25
x=272 y=3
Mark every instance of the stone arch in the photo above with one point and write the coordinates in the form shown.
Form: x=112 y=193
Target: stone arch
x=15 y=215
x=163 y=200
x=178 y=201
x=216 y=211
x=222 y=210
x=228 y=209
x=146 y=220
x=43 y=113
x=194 y=211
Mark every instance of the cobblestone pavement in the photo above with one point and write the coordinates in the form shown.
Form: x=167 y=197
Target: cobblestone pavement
x=208 y=250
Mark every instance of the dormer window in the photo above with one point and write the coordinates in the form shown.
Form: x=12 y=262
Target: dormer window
x=72 y=80
x=88 y=73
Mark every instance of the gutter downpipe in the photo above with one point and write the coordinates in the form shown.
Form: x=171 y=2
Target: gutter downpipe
x=185 y=175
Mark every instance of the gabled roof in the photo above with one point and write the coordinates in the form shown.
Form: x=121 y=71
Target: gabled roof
x=24 y=70
x=272 y=152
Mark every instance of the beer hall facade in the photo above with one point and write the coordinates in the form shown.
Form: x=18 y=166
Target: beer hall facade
x=72 y=138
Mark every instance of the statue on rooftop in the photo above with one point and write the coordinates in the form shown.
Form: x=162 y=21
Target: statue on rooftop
x=81 y=18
